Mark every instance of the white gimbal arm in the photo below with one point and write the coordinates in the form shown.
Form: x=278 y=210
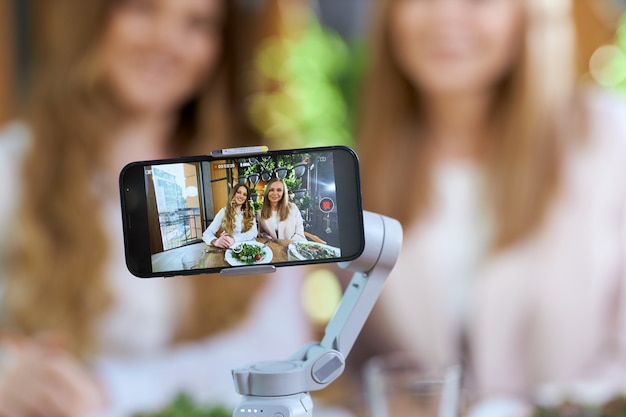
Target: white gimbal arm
x=281 y=388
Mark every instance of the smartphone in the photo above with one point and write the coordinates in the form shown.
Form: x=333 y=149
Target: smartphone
x=245 y=210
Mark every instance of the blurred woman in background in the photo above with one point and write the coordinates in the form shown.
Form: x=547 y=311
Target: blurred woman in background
x=280 y=219
x=117 y=82
x=515 y=216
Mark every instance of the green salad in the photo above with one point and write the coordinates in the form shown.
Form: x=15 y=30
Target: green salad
x=313 y=251
x=183 y=406
x=247 y=253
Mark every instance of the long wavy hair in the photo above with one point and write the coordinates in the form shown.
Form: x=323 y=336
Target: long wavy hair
x=230 y=213
x=283 y=204
x=523 y=163
x=56 y=280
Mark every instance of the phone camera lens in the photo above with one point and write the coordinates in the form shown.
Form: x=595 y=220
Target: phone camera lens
x=127 y=190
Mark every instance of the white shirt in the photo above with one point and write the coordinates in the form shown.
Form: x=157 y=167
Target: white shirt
x=239 y=236
x=549 y=309
x=276 y=220
x=460 y=229
x=430 y=285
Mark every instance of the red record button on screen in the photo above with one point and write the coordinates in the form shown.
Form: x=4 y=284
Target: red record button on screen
x=327 y=205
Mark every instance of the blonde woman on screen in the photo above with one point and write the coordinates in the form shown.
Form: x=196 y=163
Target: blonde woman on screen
x=236 y=220
x=280 y=219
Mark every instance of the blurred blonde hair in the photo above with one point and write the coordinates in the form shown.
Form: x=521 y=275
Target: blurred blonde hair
x=56 y=280
x=523 y=161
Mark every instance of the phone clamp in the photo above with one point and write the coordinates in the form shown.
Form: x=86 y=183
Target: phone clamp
x=281 y=388
x=248 y=270
x=243 y=151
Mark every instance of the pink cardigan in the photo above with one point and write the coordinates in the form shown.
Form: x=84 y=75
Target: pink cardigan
x=551 y=309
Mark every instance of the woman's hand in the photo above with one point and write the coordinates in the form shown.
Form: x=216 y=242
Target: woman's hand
x=225 y=241
x=37 y=380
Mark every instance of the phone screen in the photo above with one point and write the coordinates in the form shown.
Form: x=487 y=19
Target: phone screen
x=206 y=214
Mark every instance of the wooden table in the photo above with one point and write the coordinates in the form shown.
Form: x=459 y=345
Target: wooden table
x=214 y=257
x=210 y=256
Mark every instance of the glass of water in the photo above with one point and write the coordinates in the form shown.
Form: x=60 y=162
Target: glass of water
x=399 y=385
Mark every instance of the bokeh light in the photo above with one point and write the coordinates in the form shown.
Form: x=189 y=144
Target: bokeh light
x=607 y=65
x=321 y=294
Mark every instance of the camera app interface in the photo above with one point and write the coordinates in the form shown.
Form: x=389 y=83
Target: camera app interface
x=242 y=211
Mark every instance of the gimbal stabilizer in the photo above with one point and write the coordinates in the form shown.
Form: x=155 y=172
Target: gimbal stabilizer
x=281 y=388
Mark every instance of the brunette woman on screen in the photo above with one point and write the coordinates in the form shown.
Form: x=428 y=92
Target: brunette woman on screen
x=236 y=220
x=115 y=82
x=280 y=219
x=513 y=205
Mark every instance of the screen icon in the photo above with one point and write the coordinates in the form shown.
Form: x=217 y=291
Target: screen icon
x=326 y=205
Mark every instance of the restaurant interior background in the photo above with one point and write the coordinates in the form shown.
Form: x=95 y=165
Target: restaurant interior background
x=306 y=69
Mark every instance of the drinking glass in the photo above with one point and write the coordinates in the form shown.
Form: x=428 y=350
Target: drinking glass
x=191 y=259
x=399 y=385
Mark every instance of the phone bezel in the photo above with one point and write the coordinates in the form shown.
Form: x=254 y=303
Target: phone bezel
x=133 y=193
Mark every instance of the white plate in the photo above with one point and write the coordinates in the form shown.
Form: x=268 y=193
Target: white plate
x=267 y=258
x=294 y=251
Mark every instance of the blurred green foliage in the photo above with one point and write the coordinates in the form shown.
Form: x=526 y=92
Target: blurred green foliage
x=306 y=89
x=621 y=43
x=184 y=406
